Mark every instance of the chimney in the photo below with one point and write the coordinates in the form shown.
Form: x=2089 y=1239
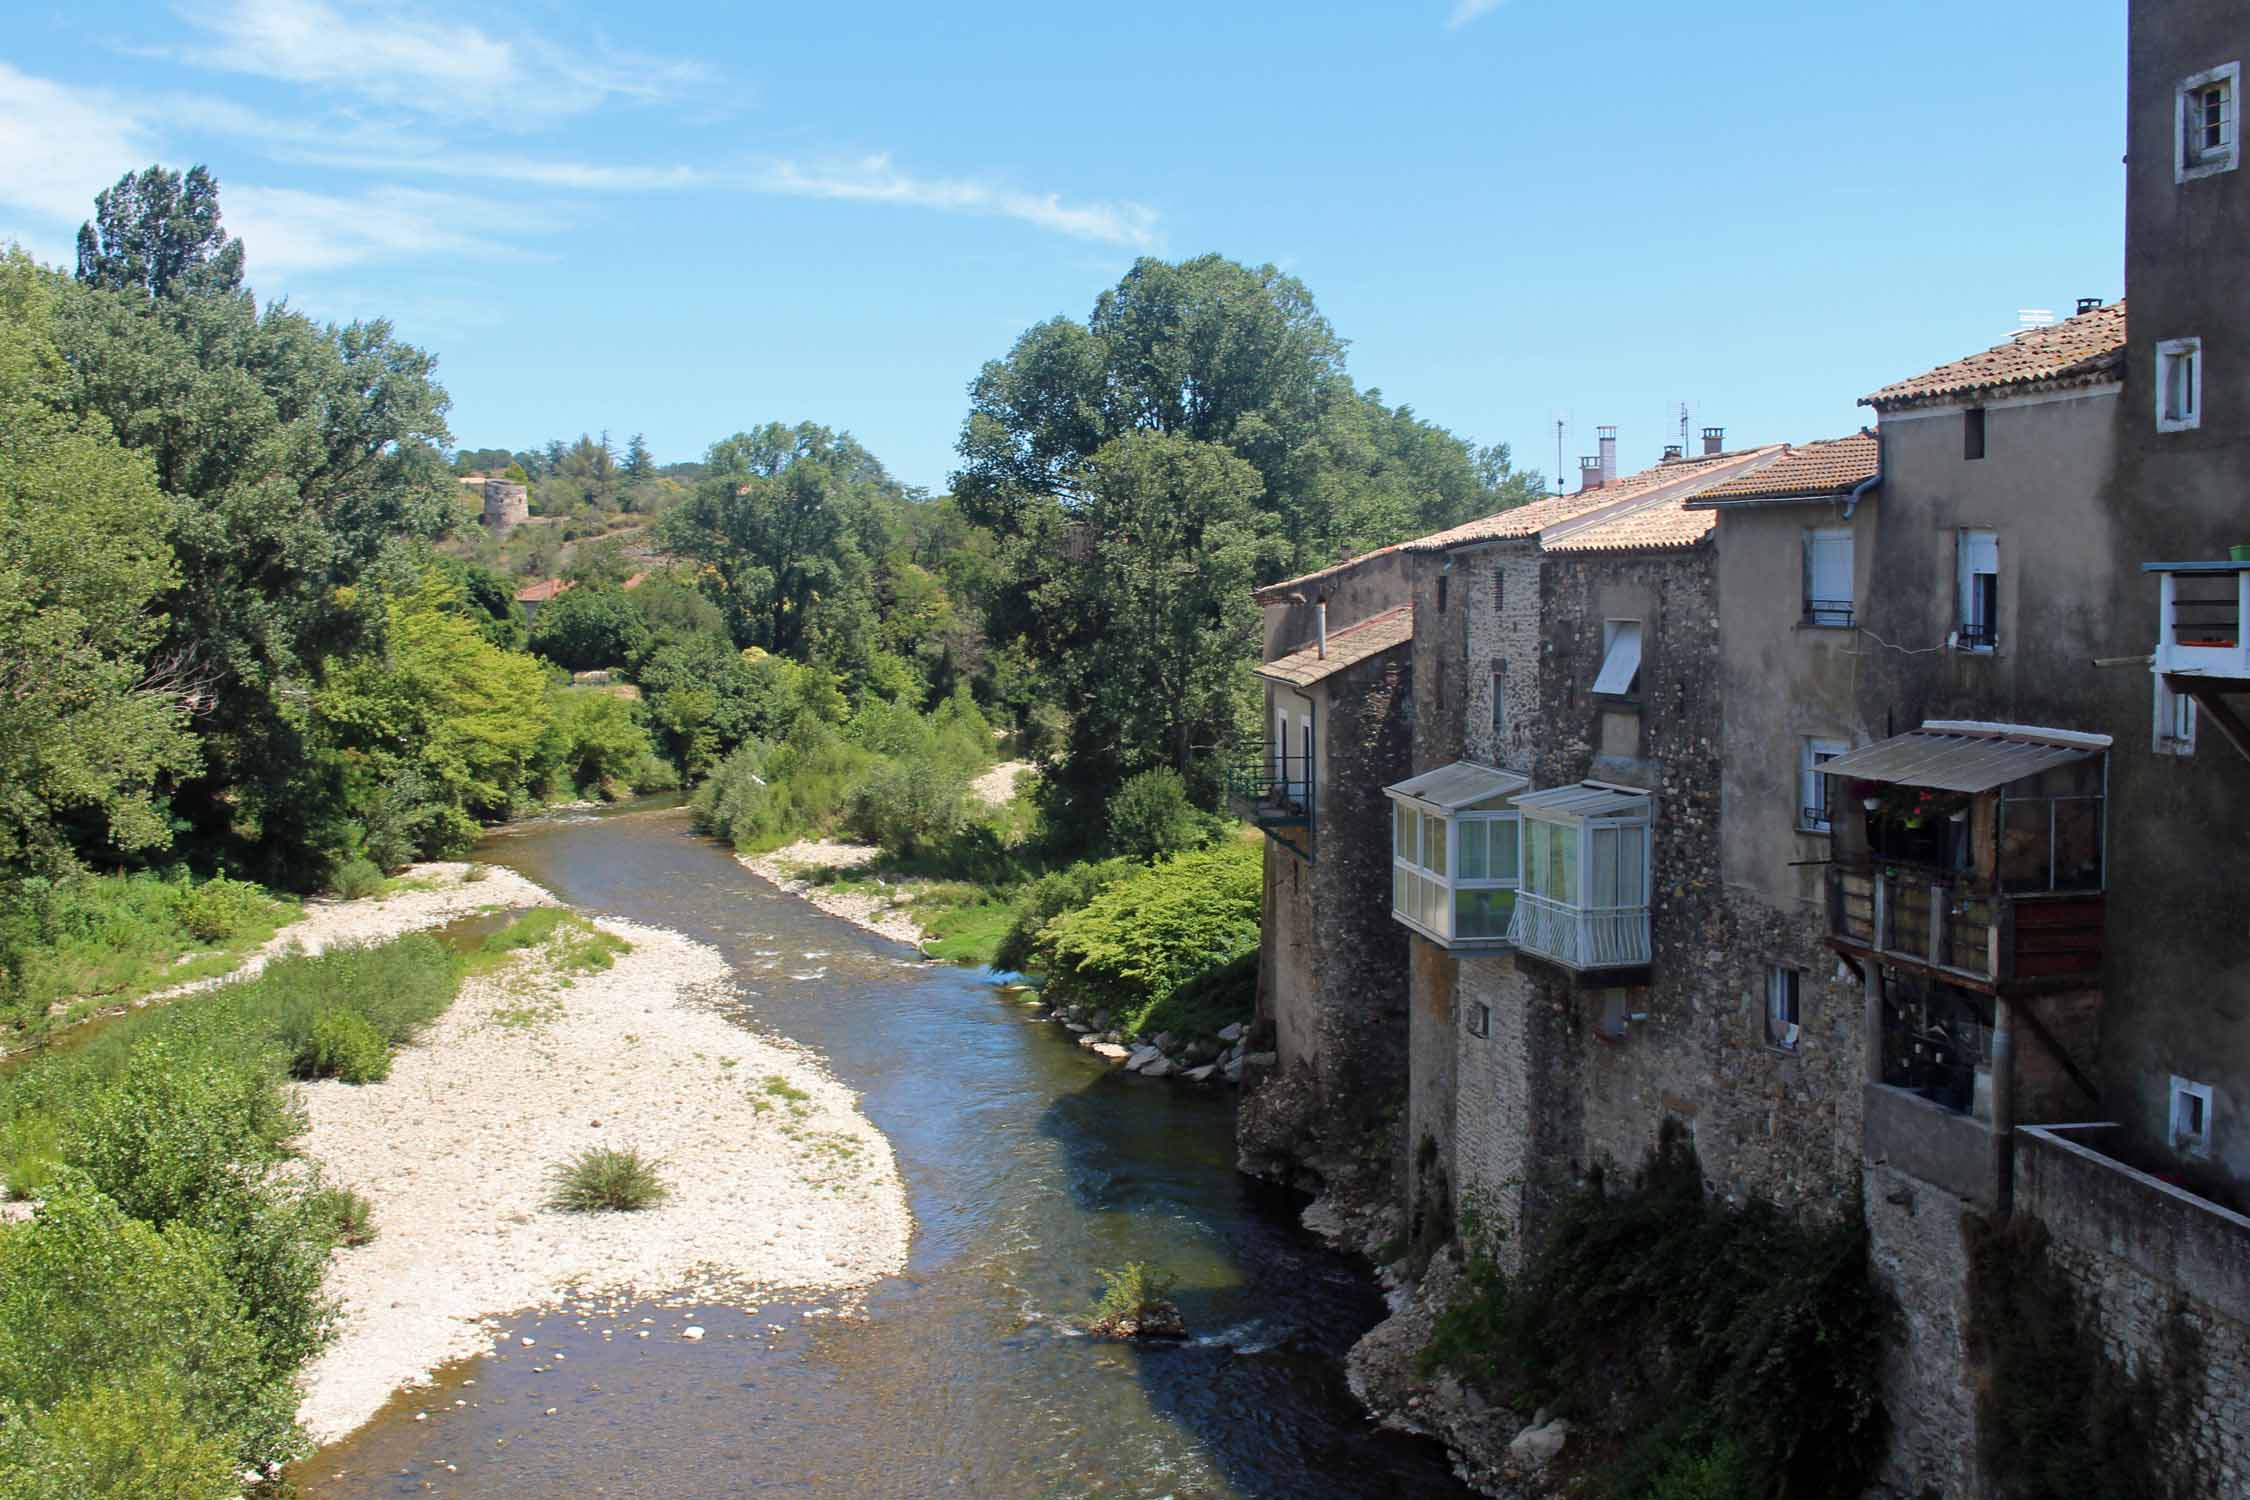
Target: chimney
x=1589 y=473
x=1673 y=453
x=1608 y=444
x=1320 y=624
x=2089 y=304
x=1714 y=440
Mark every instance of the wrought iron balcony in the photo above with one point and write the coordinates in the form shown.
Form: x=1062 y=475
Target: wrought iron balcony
x=1272 y=791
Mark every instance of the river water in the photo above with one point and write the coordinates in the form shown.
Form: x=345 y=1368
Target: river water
x=1028 y=1163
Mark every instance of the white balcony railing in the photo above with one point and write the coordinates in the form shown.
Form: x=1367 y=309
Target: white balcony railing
x=2203 y=608
x=1581 y=937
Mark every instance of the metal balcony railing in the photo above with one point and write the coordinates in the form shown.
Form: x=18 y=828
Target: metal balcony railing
x=1580 y=937
x=1272 y=790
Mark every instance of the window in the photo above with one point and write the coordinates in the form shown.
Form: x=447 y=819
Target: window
x=1782 y=987
x=1441 y=583
x=2207 y=129
x=1621 y=658
x=1499 y=589
x=2175 y=721
x=1828 y=576
x=2051 y=830
x=2179 y=385
x=1480 y=1019
x=2191 y=1117
x=1499 y=700
x=1972 y=433
x=1586 y=876
x=1979 y=561
x=1454 y=877
x=1816 y=797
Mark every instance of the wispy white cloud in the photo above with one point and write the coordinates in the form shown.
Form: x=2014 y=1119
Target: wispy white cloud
x=426 y=64
x=872 y=179
x=437 y=160
x=289 y=230
x=1465 y=11
x=61 y=145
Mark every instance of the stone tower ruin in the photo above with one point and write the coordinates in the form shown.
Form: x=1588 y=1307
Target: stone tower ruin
x=505 y=505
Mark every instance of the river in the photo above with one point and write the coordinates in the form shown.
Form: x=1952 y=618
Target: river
x=1028 y=1164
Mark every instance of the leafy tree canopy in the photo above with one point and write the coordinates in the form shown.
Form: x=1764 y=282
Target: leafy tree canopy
x=156 y=231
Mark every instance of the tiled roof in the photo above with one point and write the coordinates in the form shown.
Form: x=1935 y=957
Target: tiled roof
x=2076 y=351
x=1347 y=647
x=1666 y=524
x=1274 y=592
x=1828 y=467
x=1540 y=515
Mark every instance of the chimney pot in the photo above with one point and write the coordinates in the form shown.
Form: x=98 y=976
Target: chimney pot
x=2089 y=304
x=1714 y=440
x=1589 y=473
x=1608 y=446
x=1673 y=453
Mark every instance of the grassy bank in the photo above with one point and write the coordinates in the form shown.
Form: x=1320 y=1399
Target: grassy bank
x=155 y=1312
x=93 y=940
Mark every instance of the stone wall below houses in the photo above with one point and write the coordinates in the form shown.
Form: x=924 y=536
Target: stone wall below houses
x=1919 y=1255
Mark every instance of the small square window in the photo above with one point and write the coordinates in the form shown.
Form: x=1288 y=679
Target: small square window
x=2207 y=133
x=2179 y=385
x=2191 y=1117
x=1782 y=985
x=1972 y=433
x=1480 y=1019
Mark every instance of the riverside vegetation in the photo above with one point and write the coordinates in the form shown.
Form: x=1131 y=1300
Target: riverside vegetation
x=157 y=1309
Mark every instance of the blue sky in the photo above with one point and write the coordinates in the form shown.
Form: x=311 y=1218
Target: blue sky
x=688 y=219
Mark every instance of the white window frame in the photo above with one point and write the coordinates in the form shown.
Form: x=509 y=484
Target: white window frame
x=1966 y=547
x=1835 y=539
x=2179 y=373
x=2190 y=1116
x=2173 y=732
x=1621 y=659
x=1784 y=1007
x=2191 y=160
x=1424 y=895
x=1816 y=802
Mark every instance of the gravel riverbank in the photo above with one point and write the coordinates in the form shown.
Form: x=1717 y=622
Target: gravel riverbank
x=776 y=1179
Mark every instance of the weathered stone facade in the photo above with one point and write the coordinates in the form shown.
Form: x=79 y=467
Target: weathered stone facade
x=506 y=505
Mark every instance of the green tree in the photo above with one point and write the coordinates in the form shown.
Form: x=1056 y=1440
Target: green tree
x=1147 y=617
x=155 y=231
x=92 y=726
x=640 y=464
x=305 y=464
x=590 y=627
x=784 y=522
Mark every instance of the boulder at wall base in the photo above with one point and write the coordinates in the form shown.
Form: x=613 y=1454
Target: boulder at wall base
x=1202 y=1074
x=1158 y=1069
x=1111 y=1051
x=1089 y=1041
x=1162 y=1041
x=1141 y=1057
x=1536 y=1447
x=1231 y=1032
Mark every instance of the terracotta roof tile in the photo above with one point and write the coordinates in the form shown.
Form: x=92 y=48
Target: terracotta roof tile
x=1828 y=467
x=1542 y=515
x=1666 y=524
x=2076 y=351
x=1347 y=647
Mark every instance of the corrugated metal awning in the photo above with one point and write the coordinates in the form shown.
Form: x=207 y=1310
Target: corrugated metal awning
x=1586 y=799
x=1462 y=784
x=1957 y=755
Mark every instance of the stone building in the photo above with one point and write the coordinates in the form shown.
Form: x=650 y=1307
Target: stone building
x=1331 y=978
x=506 y=505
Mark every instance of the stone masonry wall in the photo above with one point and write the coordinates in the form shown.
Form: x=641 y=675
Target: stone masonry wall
x=1920 y=1259
x=1500 y=588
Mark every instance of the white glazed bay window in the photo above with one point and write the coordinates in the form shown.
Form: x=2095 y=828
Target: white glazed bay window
x=1584 y=902
x=1455 y=853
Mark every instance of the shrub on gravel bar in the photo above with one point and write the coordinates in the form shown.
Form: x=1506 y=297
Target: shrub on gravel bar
x=604 y=1179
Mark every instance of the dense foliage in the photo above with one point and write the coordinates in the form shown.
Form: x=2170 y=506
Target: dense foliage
x=1145 y=936
x=1726 y=1349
